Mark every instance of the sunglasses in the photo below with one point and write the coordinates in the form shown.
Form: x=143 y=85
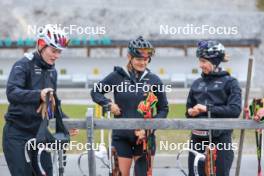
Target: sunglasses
x=142 y=58
x=146 y=52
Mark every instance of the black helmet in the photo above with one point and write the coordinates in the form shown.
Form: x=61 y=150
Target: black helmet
x=212 y=51
x=140 y=48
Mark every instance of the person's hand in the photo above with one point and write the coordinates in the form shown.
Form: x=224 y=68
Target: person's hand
x=201 y=108
x=74 y=131
x=193 y=112
x=114 y=108
x=44 y=92
x=140 y=135
x=260 y=115
x=42 y=109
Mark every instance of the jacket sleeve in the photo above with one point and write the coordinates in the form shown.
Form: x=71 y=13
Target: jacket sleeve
x=162 y=104
x=16 y=86
x=104 y=86
x=190 y=103
x=233 y=106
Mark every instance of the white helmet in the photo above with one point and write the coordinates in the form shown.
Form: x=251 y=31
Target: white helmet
x=54 y=37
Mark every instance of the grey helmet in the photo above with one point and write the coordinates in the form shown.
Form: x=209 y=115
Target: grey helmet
x=211 y=50
x=141 y=48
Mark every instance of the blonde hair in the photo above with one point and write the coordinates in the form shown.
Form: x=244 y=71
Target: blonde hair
x=226 y=58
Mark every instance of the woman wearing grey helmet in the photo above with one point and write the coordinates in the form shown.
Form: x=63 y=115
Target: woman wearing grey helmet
x=125 y=104
x=218 y=91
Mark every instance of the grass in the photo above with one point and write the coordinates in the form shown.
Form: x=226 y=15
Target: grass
x=3 y=109
x=170 y=137
x=260 y=5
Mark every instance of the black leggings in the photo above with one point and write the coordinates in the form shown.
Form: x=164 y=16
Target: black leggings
x=13 y=147
x=128 y=148
x=224 y=157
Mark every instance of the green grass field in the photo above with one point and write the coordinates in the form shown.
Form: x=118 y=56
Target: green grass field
x=260 y=5
x=171 y=137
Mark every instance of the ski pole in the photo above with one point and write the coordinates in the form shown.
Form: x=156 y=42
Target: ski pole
x=107 y=110
x=209 y=106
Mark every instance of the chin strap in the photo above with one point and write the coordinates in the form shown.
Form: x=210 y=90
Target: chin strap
x=41 y=50
x=136 y=73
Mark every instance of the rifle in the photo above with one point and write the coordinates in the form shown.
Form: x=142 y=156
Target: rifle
x=209 y=162
x=256 y=110
x=115 y=166
x=143 y=165
x=210 y=167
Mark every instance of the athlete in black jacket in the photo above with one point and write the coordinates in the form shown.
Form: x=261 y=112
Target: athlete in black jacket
x=29 y=81
x=220 y=90
x=129 y=86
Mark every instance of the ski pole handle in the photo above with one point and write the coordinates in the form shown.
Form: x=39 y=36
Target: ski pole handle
x=209 y=109
x=106 y=108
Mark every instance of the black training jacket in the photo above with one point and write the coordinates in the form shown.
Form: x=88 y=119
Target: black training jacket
x=220 y=90
x=128 y=100
x=28 y=76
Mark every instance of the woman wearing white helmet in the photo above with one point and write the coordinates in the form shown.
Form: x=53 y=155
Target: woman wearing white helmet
x=29 y=81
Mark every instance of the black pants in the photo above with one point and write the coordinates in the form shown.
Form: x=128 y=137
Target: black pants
x=224 y=157
x=13 y=147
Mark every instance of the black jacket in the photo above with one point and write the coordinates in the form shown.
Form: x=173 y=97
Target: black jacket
x=128 y=100
x=220 y=90
x=28 y=76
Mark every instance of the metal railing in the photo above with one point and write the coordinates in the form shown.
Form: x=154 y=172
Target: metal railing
x=90 y=123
